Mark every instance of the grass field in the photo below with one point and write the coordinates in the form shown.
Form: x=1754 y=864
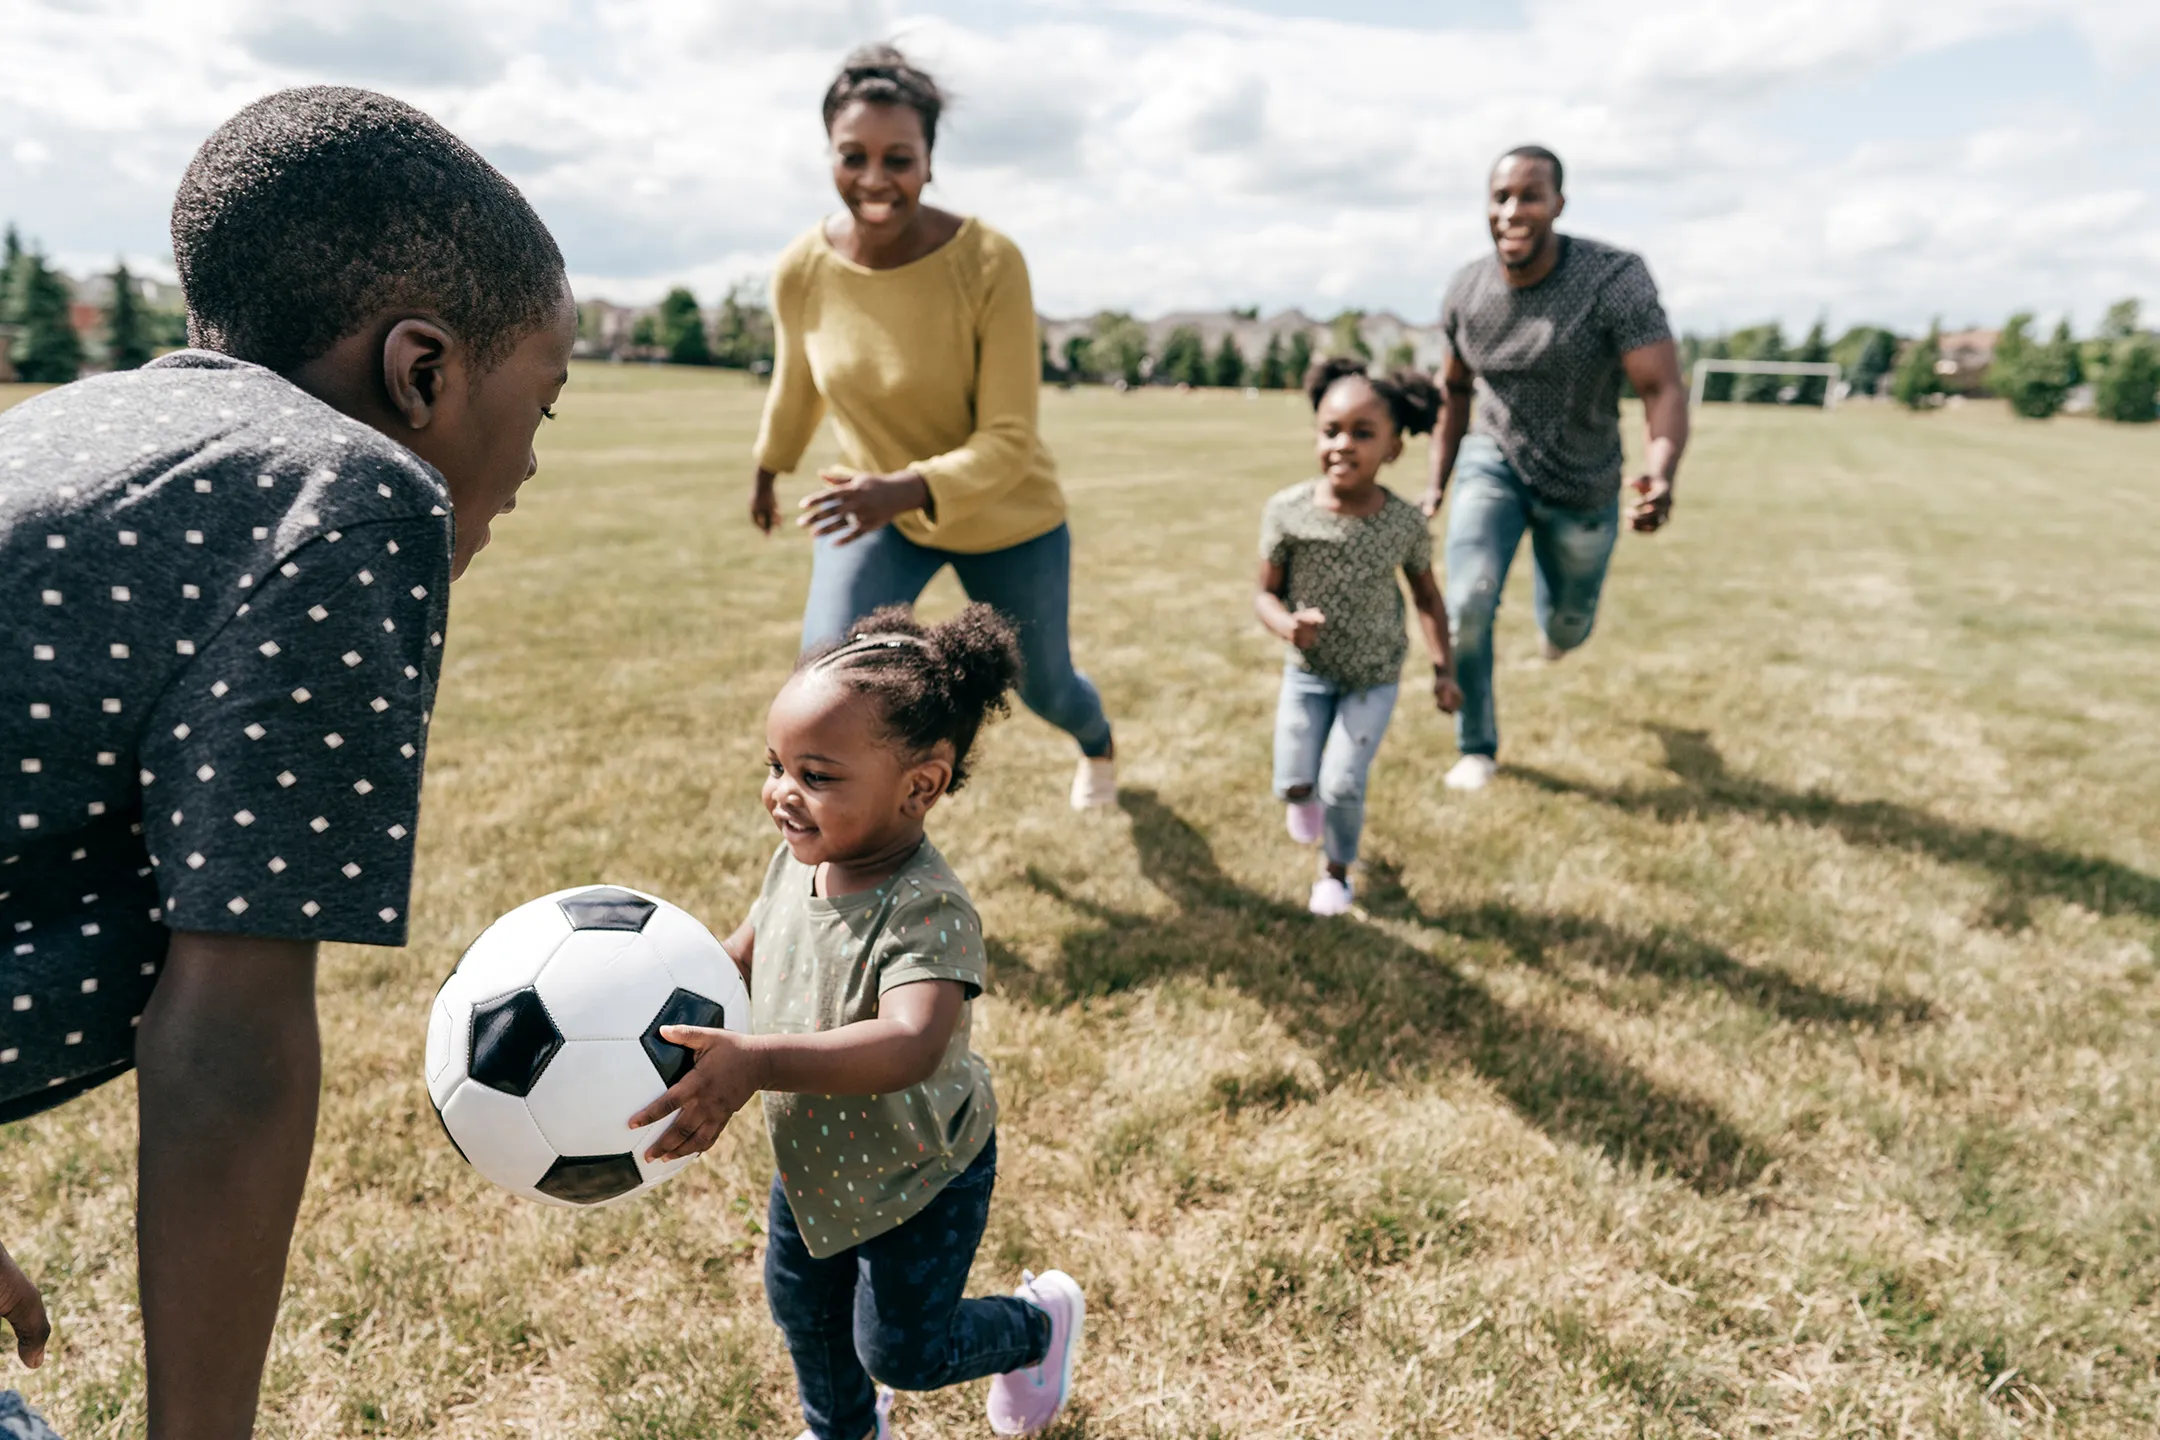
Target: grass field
x=1770 y=1053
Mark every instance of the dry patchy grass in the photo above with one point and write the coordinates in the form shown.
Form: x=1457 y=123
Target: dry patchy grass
x=1769 y=1054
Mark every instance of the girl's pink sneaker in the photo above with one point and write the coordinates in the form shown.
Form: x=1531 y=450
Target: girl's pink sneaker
x=1025 y=1401
x=1302 y=819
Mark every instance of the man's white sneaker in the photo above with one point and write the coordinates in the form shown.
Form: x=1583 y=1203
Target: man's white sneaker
x=1094 y=783
x=1022 y=1402
x=1472 y=772
x=1330 y=896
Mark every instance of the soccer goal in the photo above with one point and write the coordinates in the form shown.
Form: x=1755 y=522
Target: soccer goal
x=1829 y=370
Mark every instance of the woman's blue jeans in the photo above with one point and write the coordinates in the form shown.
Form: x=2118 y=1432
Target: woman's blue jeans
x=891 y=1310
x=1030 y=584
x=1325 y=740
x=1571 y=549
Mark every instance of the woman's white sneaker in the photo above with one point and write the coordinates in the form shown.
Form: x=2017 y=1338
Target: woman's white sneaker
x=1472 y=772
x=1094 y=783
x=1024 y=1401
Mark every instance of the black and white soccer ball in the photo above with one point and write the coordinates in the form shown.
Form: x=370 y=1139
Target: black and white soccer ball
x=545 y=1039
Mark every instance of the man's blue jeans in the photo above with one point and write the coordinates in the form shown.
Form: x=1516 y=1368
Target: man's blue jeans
x=1486 y=518
x=1325 y=740
x=890 y=1309
x=1030 y=584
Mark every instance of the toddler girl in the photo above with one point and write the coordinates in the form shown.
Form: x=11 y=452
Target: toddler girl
x=1329 y=550
x=862 y=955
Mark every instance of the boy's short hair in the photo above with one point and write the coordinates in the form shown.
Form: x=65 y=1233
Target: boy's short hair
x=315 y=208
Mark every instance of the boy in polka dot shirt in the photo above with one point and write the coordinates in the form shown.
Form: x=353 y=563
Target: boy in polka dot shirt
x=225 y=578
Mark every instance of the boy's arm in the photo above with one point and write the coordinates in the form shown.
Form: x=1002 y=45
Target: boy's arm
x=230 y=1065
x=901 y=1047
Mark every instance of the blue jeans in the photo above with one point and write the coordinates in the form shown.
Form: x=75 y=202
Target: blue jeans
x=1486 y=520
x=891 y=1307
x=1325 y=739
x=1029 y=584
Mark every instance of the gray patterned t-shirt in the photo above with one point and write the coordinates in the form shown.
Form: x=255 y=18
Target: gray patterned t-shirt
x=1344 y=566
x=221 y=616
x=1547 y=361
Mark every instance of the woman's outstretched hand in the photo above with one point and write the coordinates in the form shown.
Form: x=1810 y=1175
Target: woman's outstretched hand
x=764 y=505
x=24 y=1309
x=851 y=506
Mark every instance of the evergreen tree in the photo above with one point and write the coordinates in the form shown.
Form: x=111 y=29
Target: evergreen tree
x=2129 y=388
x=1228 y=370
x=2033 y=378
x=1916 y=383
x=2064 y=348
x=1184 y=358
x=645 y=332
x=1300 y=358
x=47 y=349
x=127 y=330
x=1718 y=385
x=1876 y=358
x=1815 y=350
x=1274 y=373
x=1759 y=342
x=1080 y=358
x=10 y=256
x=1346 y=335
x=682 y=329
x=1120 y=347
x=742 y=332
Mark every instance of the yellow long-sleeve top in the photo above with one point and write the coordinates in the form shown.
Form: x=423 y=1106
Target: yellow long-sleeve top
x=933 y=367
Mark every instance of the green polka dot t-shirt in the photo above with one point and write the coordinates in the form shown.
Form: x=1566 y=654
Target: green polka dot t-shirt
x=855 y=1166
x=1345 y=566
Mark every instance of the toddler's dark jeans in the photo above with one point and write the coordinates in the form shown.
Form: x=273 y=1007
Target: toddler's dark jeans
x=890 y=1309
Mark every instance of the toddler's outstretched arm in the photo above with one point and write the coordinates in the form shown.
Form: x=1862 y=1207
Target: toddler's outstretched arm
x=901 y=1047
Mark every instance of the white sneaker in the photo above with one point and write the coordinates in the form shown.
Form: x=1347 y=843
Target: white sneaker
x=1472 y=772
x=1094 y=782
x=884 y=1429
x=1330 y=896
x=1024 y=1401
x=1303 y=818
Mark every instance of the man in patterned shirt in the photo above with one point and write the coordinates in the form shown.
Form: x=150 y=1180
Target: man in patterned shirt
x=1540 y=333
x=225 y=580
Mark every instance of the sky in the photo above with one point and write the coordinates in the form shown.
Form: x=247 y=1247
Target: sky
x=1851 y=160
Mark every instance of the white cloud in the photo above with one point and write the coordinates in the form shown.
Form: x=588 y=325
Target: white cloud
x=1157 y=154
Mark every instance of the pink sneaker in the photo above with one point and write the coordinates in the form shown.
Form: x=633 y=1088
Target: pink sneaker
x=1302 y=817
x=1025 y=1401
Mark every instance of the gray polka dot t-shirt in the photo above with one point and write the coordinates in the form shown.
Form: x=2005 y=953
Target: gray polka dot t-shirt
x=1547 y=360
x=855 y=1166
x=1345 y=566
x=224 y=606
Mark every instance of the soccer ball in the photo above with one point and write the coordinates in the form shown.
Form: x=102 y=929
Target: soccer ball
x=545 y=1040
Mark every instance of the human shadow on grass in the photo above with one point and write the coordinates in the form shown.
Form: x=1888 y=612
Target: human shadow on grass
x=2024 y=871
x=1368 y=1003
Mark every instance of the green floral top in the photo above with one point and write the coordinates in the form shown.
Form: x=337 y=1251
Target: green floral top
x=1344 y=566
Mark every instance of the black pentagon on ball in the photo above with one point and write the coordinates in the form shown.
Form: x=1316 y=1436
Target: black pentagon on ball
x=607 y=907
x=512 y=1041
x=590 y=1179
x=682 y=1008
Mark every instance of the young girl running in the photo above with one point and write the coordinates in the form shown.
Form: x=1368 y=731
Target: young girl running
x=862 y=955
x=1329 y=550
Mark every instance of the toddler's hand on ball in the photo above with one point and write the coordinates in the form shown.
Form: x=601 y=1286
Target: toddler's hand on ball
x=720 y=1083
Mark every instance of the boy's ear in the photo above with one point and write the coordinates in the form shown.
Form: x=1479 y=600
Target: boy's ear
x=927 y=782
x=418 y=358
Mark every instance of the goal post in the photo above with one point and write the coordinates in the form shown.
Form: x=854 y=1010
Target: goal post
x=1829 y=370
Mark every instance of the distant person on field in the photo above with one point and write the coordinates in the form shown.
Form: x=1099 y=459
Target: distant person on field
x=1330 y=549
x=1541 y=332
x=916 y=329
x=863 y=955
x=226 y=582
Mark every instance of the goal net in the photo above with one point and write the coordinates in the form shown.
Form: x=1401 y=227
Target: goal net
x=1830 y=372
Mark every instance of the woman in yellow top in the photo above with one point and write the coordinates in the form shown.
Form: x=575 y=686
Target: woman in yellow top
x=916 y=329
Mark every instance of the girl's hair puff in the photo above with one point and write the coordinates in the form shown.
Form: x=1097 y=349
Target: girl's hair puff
x=931 y=683
x=1412 y=400
x=882 y=75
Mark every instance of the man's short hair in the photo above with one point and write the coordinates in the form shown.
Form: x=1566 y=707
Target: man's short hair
x=315 y=208
x=1538 y=152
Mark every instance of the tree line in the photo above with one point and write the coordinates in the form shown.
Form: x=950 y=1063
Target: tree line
x=38 y=323
x=1115 y=350
x=2120 y=363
